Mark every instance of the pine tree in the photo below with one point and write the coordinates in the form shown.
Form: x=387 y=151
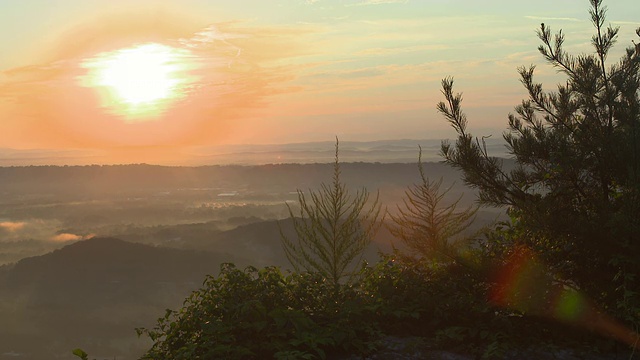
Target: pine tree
x=333 y=229
x=575 y=191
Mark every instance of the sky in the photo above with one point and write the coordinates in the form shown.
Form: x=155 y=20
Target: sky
x=150 y=81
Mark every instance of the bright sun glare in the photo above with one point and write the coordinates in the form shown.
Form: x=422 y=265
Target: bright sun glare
x=140 y=82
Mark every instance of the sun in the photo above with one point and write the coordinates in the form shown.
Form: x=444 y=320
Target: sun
x=142 y=74
x=142 y=81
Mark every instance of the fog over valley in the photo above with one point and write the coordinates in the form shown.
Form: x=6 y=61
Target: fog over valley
x=91 y=252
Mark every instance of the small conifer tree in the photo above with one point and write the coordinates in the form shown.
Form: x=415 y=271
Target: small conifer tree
x=333 y=228
x=428 y=227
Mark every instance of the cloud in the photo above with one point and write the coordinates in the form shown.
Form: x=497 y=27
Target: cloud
x=12 y=226
x=552 y=18
x=209 y=35
x=622 y=22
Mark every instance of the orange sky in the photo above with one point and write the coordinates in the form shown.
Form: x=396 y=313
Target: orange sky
x=47 y=102
x=271 y=72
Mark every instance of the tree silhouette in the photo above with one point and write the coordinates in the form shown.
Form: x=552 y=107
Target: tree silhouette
x=429 y=228
x=333 y=228
x=575 y=191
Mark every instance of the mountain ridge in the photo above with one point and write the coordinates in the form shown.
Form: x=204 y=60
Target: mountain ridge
x=390 y=150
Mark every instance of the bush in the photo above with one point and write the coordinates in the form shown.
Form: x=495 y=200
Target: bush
x=260 y=314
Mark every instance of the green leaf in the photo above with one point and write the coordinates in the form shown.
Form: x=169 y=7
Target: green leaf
x=81 y=354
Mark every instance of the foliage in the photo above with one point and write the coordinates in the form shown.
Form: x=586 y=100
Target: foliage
x=260 y=314
x=265 y=314
x=256 y=314
x=417 y=297
x=333 y=229
x=427 y=227
x=575 y=190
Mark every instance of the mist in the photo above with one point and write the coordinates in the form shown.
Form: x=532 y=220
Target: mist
x=91 y=252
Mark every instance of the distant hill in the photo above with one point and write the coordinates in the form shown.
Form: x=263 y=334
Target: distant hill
x=386 y=151
x=103 y=182
x=92 y=294
x=111 y=260
x=257 y=243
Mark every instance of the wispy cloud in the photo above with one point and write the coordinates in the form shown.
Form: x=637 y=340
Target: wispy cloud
x=636 y=23
x=209 y=35
x=542 y=18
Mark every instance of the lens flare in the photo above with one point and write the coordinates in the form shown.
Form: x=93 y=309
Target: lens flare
x=140 y=83
x=570 y=306
x=525 y=284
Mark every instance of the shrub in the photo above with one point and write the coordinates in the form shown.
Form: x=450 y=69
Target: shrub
x=259 y=314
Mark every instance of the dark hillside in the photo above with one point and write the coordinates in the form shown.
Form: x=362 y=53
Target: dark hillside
x=93 y=293
x=110 y=260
